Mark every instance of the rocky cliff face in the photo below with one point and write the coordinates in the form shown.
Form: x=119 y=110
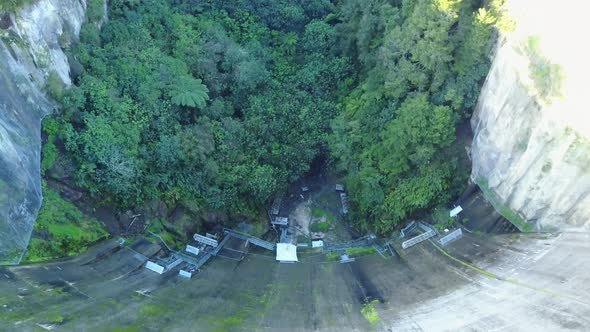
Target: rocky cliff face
x=531 y=153
x=31 y=42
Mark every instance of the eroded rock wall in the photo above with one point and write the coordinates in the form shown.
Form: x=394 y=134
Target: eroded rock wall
x=531 y=153
x=31 y=43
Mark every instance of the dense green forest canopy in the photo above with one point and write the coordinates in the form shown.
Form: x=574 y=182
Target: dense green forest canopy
x=218 y=105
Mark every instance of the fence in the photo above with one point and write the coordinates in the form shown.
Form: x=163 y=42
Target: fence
x=454 y=235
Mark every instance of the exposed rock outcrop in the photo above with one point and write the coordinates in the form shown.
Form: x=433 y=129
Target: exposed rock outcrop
x=31 y=42
x=530 y=152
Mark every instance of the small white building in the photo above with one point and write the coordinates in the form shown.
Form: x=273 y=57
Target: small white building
x=192 y=250
x=186 y=274
x=154 y=267
x=286 y=253
x=454 y=212
x=317 y=244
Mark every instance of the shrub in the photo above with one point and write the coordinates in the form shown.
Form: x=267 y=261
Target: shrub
x=360 y=251
x=48 y=154
x=54 y=86
x=94 y=12
x=368 y=311
x=68 y=231
x=322 y=226
x=12 y=5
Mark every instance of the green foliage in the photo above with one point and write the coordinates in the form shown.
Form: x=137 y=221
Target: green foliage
x=333 y=256
x=48 y=154
x=12 y=5
x=369 y=312
x=321 y=226
x=210 y=106
x=219 y=106
x=360 y=251
x=425 y=61
x=94 y=10
x=61 y=229
x=442 y=219
x=158 y=227
x=49 y=149
x=189 y=92
x=547 y=76
x=54 y=85
x=504 y=210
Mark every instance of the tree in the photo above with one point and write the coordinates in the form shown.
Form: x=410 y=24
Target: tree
x=189 y=92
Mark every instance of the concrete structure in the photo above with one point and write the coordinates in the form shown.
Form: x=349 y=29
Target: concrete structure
x=429 y=232
x=286 y=253
x=455 y=211
x=532 y=283
x=276 y=206
x=185 y=274
x=251 y=239
x=192 y=250
x=344 y=201
x=317 y=244
x=280 y=221
x=155 y=267
x=406 y=230
x=205 y=240
x=345 y=259
x=454 y=235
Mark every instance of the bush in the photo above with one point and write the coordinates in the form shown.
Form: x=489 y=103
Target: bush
x=48 y=154
x=94 y=12
x=89 y=34
x=12 y=5
x=322 y=226
x=360 y=251
x=368 y=311
x=67 y=231
x=333 y=256
x=54 y=86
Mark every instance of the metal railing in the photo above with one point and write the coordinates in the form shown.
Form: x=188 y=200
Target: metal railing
x=417 y=239
x=252 y=239
x=454 y=235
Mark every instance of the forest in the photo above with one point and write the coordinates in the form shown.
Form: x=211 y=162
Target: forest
x=219 y=105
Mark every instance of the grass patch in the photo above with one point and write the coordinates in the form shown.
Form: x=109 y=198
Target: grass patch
x=441 y=218
x=505 y=211
x=360 y=251
x=48 y=154
x=323 y=220
x=129 y=328
x=156 y=226
x=322 y=226
x=370 y=313
x=64 y=229
x=49 y=150
x=333 y=256
x=151 y=310
x=548 y=77
x=321 y=213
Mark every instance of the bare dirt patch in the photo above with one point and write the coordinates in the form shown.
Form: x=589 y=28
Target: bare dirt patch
x=300 y=218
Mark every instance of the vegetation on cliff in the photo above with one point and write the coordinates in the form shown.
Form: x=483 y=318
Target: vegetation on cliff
x=219 y=105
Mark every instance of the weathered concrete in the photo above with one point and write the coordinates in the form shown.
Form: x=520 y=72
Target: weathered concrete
x=545 y=288
x=530 y=149
x=542 y=288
